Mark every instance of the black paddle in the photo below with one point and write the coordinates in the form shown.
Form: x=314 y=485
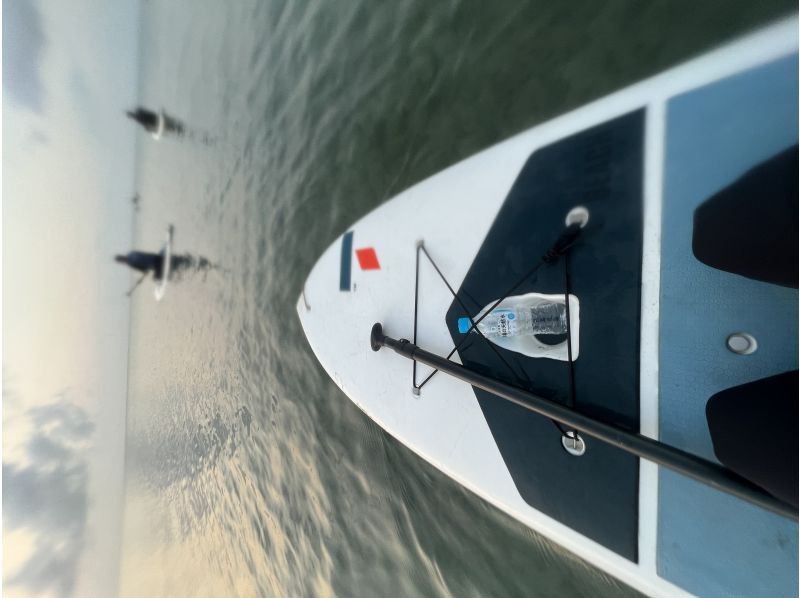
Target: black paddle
x=138 y=282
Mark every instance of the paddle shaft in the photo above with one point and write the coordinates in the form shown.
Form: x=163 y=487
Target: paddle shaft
x=690 y=465
x=138 y=282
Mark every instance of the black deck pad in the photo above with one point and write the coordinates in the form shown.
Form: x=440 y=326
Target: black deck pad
x=600 y=168
x=753 y=428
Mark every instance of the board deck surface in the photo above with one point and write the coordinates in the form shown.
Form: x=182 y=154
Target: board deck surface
x=640 y=160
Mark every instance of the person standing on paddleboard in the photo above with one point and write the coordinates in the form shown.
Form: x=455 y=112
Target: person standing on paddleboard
x=153 y=121
x=147 y=118
x=146 y=262
x=143 y=261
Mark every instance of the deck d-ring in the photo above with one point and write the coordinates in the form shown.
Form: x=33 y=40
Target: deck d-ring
x=577 y=215
x=573 y=443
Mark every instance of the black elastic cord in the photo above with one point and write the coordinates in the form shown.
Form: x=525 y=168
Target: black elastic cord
x=571 y=364
x=421 y=247
x=562 y=245
x=475 y=323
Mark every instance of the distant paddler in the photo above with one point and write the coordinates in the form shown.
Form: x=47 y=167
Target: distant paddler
x=163 y=265
x=148 y=263
x=156 y=123
x=158 y=264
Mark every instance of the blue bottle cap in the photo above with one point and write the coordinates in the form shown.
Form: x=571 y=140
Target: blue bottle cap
x=464 y=325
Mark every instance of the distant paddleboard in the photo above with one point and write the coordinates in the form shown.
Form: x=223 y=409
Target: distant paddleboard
x=166 y=251
x=162 y=120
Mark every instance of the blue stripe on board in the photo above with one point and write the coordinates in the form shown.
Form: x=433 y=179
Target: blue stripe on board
x=346 y=263
x=710 y=543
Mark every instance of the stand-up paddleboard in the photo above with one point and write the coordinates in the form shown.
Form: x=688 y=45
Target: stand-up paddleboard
x=667 y=211
x=160 y=127
x=166 y=251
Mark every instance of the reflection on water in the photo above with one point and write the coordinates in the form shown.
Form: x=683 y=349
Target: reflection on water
x=184 y=452
x=173 y=125
x=188 y=264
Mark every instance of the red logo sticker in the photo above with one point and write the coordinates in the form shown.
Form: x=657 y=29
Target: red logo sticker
x=368 y=259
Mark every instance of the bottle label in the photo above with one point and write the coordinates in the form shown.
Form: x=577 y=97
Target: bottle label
x=505 y=321
x=549 y=318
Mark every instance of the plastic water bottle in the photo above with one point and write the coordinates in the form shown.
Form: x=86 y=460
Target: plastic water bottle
x=521 y=320
x=518 y=323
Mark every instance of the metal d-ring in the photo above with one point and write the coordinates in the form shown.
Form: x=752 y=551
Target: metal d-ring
x=577 y=215
x=573 y=443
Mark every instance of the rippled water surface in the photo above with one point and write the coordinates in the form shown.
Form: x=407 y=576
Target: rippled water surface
x=248 y=471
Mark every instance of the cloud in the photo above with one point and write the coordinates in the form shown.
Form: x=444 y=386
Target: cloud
x=38 y=138
x=47 y=497
x=23 y=43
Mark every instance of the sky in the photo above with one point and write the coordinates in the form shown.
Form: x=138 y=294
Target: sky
x=68 y=168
